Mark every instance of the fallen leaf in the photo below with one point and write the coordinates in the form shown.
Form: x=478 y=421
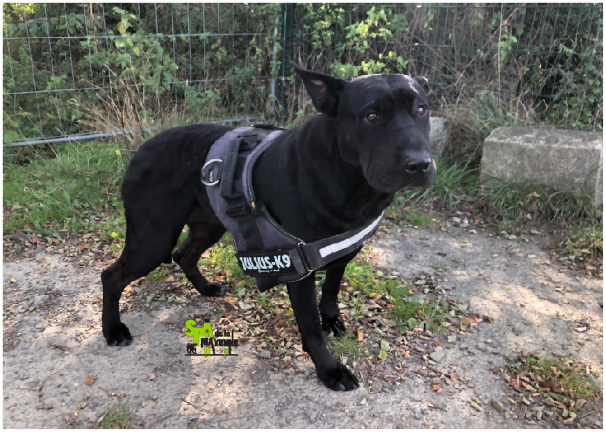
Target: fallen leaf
x=476 y=406
x=512 y=401
x=454 y=376
x=580 y=403
x=13 y=280
x=89 y=380
x=523 y=410
x=467 y=321
x=153 y=376
x=435 y=387
x=35 y=239
x=62 y=347
x=171 y=278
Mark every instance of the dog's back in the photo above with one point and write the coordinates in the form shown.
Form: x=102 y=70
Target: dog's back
x=169 y=161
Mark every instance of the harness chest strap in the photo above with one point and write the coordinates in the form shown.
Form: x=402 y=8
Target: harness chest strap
x=264 y=249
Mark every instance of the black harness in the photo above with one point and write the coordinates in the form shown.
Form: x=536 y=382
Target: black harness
x=264 y=249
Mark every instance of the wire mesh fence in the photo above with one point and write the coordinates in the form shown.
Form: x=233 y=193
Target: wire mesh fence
x=75 y=71
x=67 y=66
x=548 y=56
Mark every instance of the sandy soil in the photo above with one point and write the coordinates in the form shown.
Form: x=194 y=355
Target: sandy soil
x=52 y=341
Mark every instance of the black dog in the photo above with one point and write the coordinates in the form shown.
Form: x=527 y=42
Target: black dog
x=334 y=173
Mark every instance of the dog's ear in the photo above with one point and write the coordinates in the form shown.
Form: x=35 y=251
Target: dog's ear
x=421 y=80
x=323 y=89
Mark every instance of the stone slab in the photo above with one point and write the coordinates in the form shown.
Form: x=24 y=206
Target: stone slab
x=569 y=160
x=437 y=134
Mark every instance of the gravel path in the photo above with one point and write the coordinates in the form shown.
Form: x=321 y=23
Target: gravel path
x=53 y=341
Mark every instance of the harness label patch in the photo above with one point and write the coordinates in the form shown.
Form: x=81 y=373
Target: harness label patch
x=272 y=262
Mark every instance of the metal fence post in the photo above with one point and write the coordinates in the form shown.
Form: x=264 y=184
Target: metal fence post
x=286 y=51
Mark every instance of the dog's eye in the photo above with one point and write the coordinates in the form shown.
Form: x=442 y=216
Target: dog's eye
x=420 y=111
x=372 y=117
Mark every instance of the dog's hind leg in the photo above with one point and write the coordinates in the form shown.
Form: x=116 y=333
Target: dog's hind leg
x=305 y=306
x=146 y=246
x=329 y=310
x=201 y=237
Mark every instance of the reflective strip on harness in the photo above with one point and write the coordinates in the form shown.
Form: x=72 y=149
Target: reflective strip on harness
x=343 y=244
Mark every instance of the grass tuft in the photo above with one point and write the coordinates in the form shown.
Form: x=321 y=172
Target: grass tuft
x=452 y=184
x=514 y=200
x=362 y=277
x=346 y=345
x=410 y=310
x=65 y=191
x=562 y=375
x=116 y=417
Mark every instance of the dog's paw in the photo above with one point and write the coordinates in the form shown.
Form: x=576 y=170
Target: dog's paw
x=339 y=378
x=118 y=336
x=336 y=326
x=213 y=290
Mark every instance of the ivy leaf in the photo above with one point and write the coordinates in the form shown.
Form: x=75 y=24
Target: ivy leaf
x=11 y=29
x=137 y=50
x=384 y=345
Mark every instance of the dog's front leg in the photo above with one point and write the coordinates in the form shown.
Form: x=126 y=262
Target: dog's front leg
x=304 y=303
x=329 y=310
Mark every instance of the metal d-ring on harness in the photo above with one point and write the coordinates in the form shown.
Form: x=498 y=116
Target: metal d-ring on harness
x=211 y=181
x=264 y=249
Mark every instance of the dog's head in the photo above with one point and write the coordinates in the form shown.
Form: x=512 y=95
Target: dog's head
x=382 y=123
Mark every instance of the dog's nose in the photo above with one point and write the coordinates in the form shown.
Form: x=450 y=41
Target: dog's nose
x=418 y=165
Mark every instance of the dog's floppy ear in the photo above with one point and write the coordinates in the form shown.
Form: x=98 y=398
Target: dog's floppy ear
x=323 y=89
x=421 y=80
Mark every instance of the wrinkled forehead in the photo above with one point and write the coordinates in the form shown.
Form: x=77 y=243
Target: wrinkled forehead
x=373 y=86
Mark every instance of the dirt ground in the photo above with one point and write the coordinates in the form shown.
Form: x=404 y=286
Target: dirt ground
x=52 y=341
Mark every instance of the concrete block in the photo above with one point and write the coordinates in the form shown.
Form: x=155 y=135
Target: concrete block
x=562 y=158
x=437 y=134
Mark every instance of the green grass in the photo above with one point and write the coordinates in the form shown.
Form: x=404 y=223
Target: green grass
x=223 y=261
x=586 y=242
x=569 y=374
x=419 y=219
x=116 y=417
x=409 y=310
x=513 y=200
x=77 y=188
x=453 y=183
x=159 y=274
x=346 y=345
x=362 y=277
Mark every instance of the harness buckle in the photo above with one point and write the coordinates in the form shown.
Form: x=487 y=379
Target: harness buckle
x=303 y=256
x=211 y=182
